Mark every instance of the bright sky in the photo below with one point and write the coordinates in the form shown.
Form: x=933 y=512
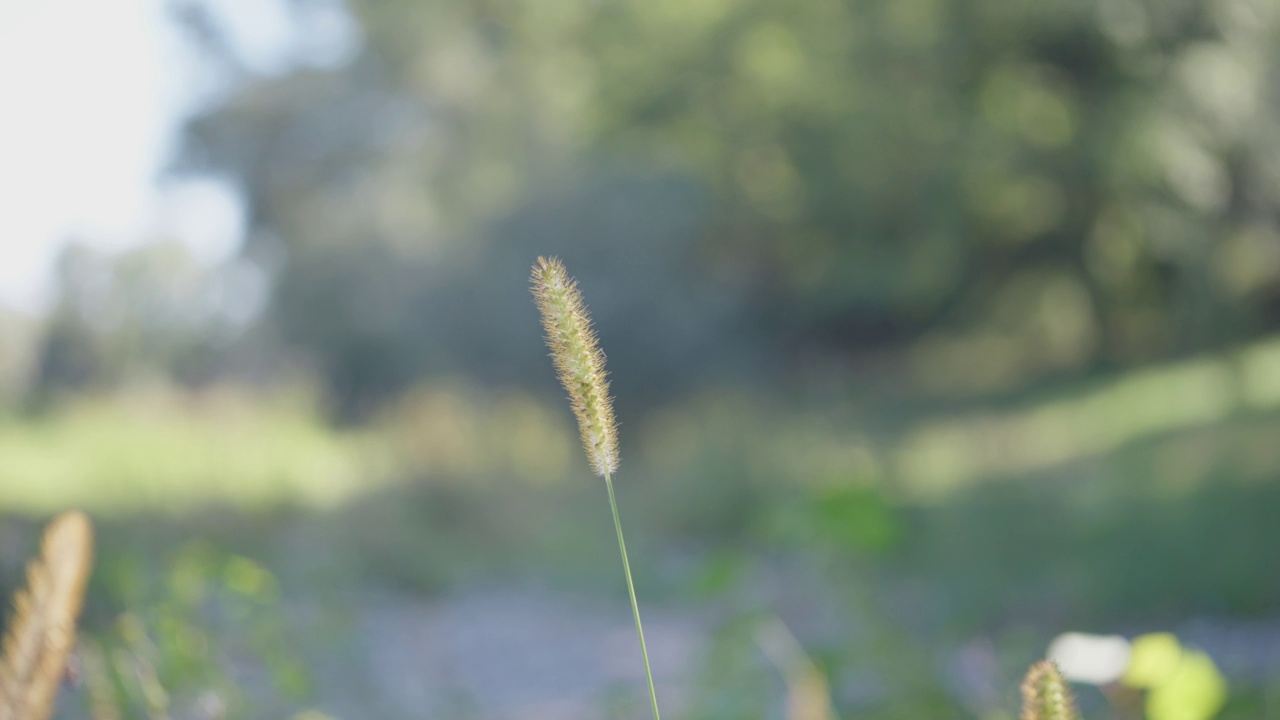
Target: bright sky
x=93 y=95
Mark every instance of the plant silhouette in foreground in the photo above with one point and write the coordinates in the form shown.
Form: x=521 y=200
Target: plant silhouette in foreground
x=580 y=366
x=42 y=630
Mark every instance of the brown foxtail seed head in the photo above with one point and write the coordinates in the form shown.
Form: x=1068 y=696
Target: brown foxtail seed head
x=578 y=361
x=43 y=628
x=1045 y=694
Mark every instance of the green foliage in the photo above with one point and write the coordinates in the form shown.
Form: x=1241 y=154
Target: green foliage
x=208 y=635
x=1181 y=684
x=1012 y=191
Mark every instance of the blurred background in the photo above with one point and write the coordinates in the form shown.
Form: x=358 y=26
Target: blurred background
x=936 y=329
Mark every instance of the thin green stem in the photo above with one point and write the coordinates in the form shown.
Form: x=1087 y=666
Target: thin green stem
x=631 y=589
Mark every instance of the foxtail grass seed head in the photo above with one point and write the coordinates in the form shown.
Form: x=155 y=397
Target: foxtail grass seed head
x=578 y=361
x=1045 y=694
x=42 y=629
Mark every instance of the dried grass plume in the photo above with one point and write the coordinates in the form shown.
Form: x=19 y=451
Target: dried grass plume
x=42 y=630
x=578 y=361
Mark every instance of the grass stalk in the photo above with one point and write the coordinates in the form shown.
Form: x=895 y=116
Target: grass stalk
x=631 y=590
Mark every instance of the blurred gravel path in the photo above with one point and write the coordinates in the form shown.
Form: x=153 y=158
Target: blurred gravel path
x=524 y=654
x=529 y=654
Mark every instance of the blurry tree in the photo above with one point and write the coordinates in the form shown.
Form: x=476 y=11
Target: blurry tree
x=19 y=340
x=149 y=311
x=1018 y=188
x=71 y=358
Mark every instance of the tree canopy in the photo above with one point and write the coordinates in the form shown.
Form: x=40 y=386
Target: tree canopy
x=1002 y=191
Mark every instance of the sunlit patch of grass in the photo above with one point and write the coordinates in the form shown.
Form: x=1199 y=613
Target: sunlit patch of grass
x=170 y=452
x=948 y=453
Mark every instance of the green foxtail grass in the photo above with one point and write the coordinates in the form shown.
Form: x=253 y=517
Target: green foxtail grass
x=578 y=361
x=580 y=366
x=1045 y=695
